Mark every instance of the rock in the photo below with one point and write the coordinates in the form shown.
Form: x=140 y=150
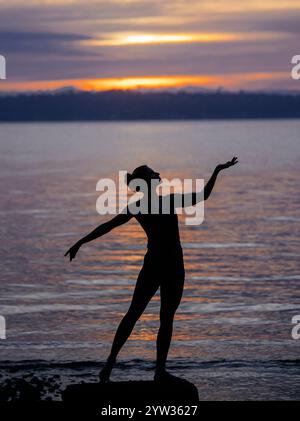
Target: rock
x=20 y=390
x=141 y=392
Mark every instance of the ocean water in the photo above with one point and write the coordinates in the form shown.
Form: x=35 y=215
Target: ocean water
x=232 y=334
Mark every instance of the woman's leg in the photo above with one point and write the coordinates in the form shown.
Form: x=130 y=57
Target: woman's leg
x=171 y=293
x=145 y=288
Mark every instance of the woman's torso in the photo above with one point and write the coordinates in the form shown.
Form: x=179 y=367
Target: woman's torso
x=162 y=231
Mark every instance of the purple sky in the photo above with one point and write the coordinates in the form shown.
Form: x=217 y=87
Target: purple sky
x=233 y=44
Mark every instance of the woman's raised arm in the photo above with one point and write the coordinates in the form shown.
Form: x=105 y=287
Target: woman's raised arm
x=191 y=199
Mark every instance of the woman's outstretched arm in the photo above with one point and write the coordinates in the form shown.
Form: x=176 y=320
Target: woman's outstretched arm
x=211 y=182
x=102 y=229
x=191 y=199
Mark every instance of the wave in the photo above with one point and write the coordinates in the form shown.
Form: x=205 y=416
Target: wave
x=220 y=245
x=186 y=307
x=140 y=364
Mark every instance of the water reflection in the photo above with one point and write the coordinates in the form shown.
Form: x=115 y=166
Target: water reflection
x=242 y=264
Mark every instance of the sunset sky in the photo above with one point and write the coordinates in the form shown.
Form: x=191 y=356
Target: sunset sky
x=125 y=44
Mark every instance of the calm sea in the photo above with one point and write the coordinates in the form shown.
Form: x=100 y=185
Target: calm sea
x=232 y=335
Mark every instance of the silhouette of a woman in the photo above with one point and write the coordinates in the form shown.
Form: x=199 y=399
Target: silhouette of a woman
x=163 y=267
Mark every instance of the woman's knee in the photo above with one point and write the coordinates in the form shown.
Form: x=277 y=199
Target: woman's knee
x=168 y=308
x=167 y=315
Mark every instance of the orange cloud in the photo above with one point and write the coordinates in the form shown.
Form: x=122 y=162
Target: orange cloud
x=123 y=39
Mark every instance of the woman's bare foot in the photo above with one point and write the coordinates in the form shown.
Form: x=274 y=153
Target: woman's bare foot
x=105 y=372
x=163 y=376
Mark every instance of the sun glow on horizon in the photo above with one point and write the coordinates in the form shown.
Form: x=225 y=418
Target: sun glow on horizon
x=154 y=82
x=230 y=81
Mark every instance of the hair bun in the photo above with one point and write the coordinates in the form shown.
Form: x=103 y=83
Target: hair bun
x=128 y=178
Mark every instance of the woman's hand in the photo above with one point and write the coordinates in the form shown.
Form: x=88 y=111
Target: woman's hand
x=227 y=164
x=73 y=251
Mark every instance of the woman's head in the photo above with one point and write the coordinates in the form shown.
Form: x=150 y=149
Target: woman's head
x=143 y=172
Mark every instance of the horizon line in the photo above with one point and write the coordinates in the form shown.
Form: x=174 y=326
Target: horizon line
x=186 y=89
x=251 y=81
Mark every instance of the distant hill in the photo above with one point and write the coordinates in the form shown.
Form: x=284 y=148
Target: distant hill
x=72 y=105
